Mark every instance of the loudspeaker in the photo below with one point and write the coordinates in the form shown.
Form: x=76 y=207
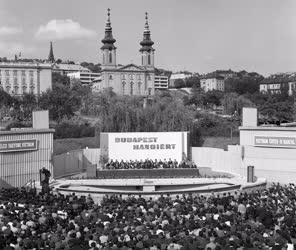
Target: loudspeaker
x=250 y=174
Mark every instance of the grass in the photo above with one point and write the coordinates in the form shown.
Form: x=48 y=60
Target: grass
x=61 y=146
x=65 y=145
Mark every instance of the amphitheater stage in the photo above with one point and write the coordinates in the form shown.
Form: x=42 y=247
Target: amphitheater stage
x=153 y=186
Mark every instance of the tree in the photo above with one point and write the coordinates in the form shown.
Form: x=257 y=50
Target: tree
x=96 y=68
x=60 y=101
x=27 y=104
x=277 y=108
x=60 y=79
x=83 y=92
x=243 y=83
x=213 y=97
x=197 y=97
x=179 y=83
x=5 y=98
x=124 y=113
x=192 y=81
x=233 y=103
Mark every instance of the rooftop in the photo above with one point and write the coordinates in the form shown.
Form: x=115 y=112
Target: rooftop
x=212 y=75
x=280 y=78
x=24 y=64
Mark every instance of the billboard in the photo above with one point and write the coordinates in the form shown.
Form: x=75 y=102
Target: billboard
x=145 y=145
x=18 y=145
x=272 y=141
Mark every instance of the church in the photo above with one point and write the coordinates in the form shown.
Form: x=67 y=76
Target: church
x=130 y=79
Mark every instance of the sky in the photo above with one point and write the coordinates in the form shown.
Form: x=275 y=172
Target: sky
x=195 y=35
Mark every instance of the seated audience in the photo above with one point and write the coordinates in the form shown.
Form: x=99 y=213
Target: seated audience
x=262 y=219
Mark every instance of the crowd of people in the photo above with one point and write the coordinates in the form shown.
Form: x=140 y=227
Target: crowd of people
x=148 y=164
x=258 y=220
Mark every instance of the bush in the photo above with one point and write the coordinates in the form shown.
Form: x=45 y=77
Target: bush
x=68 y=129
x=18 y=124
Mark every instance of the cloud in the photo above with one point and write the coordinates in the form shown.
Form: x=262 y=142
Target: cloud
x=63 y=29
x=5 y=30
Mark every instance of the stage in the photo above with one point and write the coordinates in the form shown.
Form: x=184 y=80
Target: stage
x=148 y=186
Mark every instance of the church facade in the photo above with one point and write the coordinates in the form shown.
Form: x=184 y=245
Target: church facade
x=130 y=79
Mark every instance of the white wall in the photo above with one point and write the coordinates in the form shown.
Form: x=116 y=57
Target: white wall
x=92 y=155
x=247 y=135
x=275 y=162
x=218 y=159
x=45 y=80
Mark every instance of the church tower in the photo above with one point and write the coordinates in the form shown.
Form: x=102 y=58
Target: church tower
x=108 y=49
x=50 y=55
x=147 y=52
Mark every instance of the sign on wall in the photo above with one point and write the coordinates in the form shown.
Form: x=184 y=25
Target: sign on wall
x=18 y=145
x=147 y=145
x=268 y=141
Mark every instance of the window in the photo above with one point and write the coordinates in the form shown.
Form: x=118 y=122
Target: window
x=149 y=59
x=103 y=58
x=149 y=77
x=123 y=76
x=15 y=90
x=110 y=57
x=142 y=60
x=15 y=73
x=132 y=88
x=149 y=91
x=7 y=88
x=15 y=81
x=24 y=87
x=7 y=72
x=110 y=77
x=139 y=88
x=23 y=73
x=123 y=88
x=32 y=89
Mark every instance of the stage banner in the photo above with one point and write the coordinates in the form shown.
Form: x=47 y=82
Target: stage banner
x=146 y=145
x=272 y=141
x=18 y=145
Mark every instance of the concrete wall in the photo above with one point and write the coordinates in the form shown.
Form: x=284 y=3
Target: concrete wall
x=76 y=161
x=219 y=160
